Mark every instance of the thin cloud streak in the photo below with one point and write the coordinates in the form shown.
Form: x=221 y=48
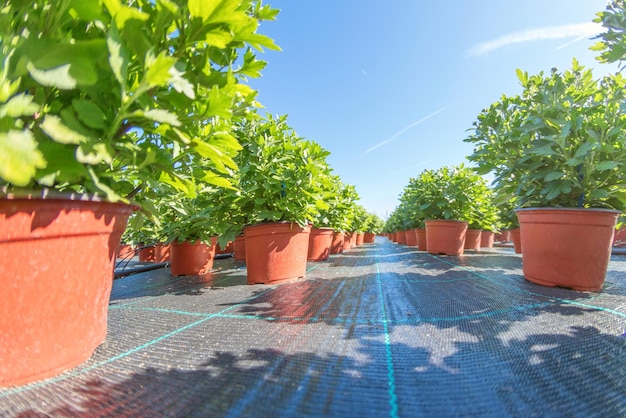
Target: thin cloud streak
x=579 y=31
x=386 y=141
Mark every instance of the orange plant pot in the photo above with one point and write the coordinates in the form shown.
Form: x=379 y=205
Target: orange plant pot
x=567 y=247
x=57 y=259
x=147 y=253
x=369 y=238
x=445 y=236
x=162 y=252
x=125 y=251
x=401 y=237
x=187 y=259
x=347 y=241
x=421 y=239
x=229 y=249
x=240 y=248
x=503 y=236
x=411 y=237
x=353 y=238
x=336 y=246
x=276 y=252
x=360 y=238
x=517 y=240
x=472 y=239
x=320 y=241
x=487 y=239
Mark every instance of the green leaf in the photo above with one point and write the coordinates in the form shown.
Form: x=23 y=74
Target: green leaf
x=158 y=69
x=553 y=176
x=214 y=179
x=162 y=116
x=56 y=130
x=58 y=77
x=542 y=150
x=606 y=165
x=89 y=113
x=20 y=105
x=598 y=194
x=118 y=55
x=92 y=154
x=86 y=9
x=19 y=157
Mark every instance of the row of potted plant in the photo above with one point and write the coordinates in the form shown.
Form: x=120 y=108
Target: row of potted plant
x=557 y=152
x=117 y=99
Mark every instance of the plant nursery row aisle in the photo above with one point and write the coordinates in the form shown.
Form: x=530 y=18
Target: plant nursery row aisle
x=380 y=330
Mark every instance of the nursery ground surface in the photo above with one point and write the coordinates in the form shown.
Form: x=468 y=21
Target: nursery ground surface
x=380 y=330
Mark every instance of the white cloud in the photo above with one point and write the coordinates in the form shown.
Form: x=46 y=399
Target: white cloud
x=578 y=31
x=403 y=130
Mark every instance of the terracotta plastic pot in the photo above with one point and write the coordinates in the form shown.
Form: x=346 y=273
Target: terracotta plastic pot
x=503 y=236
x=125 y=251
x=401 y=237
x=229 y=249
x=360 y=238
x=517 y=240
x=162 y=252
x=487 y=238
x=57 y=260
x=190 y=259
x=336 y=246
x=421 y=239
x=276 y=252
x=240 y=248
x=445 y=236
x=472 y=239
x=567 y=247
x=369 y=238
x=347 y=241
x=147 y=253
x=320 y=241
x=411 y=237
x=353 y=238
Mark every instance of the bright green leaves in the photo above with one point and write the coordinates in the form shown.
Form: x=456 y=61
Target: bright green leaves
x=158 y=69
x=19 y=157
x=560 y=143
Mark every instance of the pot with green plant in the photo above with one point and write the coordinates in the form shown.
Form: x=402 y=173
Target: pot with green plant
x=559 y=148
x=279 y=195
x=448 y=203
x=101 y=98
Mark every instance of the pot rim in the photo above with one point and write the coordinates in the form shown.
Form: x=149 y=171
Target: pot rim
x=567 y=209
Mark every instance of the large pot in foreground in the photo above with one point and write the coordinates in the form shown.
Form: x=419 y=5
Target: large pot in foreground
x=57 y=258
x=566 y=247
x=276 y=252
x=445 y=236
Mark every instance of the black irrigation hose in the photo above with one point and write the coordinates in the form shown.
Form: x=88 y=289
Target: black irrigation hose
x=154 y=266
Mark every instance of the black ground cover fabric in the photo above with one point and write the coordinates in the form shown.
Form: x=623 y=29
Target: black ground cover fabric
x=381 y=330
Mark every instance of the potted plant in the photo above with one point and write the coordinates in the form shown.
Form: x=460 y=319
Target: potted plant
x=559 y=148
x=102 y=98
x=448 y=201
x=279 y=197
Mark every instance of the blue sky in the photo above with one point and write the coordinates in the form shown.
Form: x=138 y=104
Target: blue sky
x=391 y=88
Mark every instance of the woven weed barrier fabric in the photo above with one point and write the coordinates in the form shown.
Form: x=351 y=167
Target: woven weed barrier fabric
x=382 y=330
